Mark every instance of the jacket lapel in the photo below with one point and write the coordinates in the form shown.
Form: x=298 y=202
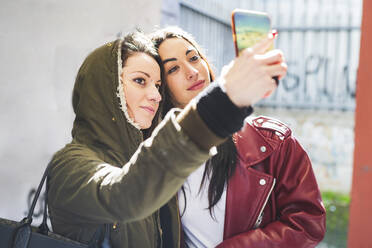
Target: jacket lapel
x=248 y=188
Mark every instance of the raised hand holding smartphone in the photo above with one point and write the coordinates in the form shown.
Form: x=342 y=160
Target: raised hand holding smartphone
x=247 y=79
x=248 y=28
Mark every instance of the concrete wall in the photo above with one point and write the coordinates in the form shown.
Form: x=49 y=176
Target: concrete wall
x=328 y=138
x=42 y=44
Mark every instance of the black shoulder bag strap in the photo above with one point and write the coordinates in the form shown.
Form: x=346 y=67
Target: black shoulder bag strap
x=22 y=234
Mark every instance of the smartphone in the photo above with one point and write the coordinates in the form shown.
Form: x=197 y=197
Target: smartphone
x=248 y=28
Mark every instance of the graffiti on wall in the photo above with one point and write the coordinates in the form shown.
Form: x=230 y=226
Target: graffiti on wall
x=312 y=82
x=322 y=55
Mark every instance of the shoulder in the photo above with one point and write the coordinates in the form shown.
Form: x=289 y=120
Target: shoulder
x=259 y=138
x=75 y=149
x=269 y=127
x=74 y=154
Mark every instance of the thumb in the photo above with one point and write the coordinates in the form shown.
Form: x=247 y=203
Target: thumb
x=226 y=68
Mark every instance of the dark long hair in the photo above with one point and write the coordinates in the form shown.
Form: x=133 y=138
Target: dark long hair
x=138 y=42
x=221 y=166
x=175 y=32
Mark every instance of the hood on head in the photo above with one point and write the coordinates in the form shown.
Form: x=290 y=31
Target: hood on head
x=98 y=100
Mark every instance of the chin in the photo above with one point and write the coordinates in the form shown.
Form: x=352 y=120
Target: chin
x=145 y=125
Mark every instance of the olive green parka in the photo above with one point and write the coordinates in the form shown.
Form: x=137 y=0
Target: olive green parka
x=109 y=175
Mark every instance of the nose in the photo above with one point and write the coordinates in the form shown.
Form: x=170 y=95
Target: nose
x=153 y=94
x=191 y=72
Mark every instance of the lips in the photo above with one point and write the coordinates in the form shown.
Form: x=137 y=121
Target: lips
x=148 y=109
x=197 y=85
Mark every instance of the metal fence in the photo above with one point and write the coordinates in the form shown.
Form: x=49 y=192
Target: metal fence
x=320 y=40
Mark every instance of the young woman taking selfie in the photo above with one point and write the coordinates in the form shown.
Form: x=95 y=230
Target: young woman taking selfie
x=259 y=190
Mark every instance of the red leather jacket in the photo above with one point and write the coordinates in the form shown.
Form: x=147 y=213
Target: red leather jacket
x=273 y=199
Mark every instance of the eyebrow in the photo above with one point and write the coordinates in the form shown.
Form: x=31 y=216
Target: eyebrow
x=190 y=50
x=143 y=73
x=168 y=60
x=147 y=75
x=174 y=59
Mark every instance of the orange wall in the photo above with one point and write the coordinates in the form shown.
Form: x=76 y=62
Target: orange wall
x=360 y=225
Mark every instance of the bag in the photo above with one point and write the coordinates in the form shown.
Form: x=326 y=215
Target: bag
x=22 y=235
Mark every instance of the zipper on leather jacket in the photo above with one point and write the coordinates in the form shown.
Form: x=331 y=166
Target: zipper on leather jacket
x=260 y=216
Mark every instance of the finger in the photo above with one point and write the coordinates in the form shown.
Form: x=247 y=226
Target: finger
x=267 y=94
x=226 y=68
x=277 y=70
x=248 y=52
x=272 y=57
x=262 y=46
x=271 y=88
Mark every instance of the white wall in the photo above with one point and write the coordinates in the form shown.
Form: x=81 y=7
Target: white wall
x=42 y=44
x=170 y=13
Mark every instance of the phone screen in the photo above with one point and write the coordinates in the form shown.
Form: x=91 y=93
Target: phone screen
x=248 y=28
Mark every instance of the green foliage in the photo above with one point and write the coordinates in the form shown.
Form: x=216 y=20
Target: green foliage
x=337 y=206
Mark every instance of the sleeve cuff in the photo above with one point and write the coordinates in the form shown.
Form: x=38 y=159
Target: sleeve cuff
x=190 y=121
x=219 y=113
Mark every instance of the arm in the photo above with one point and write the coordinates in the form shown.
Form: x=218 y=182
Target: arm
x=300 y=212
x=85 y=186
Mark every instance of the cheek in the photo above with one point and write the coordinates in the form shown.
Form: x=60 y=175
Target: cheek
x=205 y=70
x=174 y=84
x=131 y=98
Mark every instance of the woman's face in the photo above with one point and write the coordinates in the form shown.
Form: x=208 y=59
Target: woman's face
x=186 y=73
x=141 y=81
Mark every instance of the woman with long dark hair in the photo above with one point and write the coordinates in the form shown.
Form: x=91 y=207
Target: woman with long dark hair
x=259 y=190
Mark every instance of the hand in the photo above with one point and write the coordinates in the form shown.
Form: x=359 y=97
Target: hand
x=249 y=78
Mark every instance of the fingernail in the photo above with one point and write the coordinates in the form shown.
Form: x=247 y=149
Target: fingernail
x=274 y=32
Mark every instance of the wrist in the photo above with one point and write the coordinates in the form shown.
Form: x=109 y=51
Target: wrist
x=233 y=94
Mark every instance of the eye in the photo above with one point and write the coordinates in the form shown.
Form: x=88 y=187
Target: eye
x=139 y=80
x=158 y=86
x=173 y=69
x=194 y=58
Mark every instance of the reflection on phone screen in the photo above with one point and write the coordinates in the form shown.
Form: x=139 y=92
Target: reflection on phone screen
x=250 y=28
